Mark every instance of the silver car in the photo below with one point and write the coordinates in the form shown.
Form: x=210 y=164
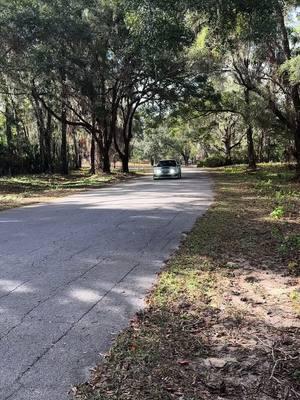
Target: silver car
x=167 y=169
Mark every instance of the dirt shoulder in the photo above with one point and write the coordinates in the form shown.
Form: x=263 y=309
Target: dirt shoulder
x=31 y=189
x=223 y=321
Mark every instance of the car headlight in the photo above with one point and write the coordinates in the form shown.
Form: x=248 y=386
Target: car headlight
x=172 y=171
x=158 y=172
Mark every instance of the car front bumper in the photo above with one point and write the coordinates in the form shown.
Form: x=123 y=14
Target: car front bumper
x=166 y=174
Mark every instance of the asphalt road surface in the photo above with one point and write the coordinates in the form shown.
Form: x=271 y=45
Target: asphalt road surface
x=74 y=271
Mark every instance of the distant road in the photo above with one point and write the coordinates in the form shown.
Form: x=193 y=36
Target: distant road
x=73 y=272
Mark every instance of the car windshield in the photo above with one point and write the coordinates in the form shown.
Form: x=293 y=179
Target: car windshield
x=167 y=163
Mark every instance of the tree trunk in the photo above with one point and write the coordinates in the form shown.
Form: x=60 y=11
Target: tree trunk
x=250 y=142
x=227 y=149
x=9 y=135
x=297 y=149
x=47 y=144
x=186 y=159
x=125 y=162
x=105 y=138
x=44 y=130
x=228 y=158
x=64 y=150
x=251 y=151
x=106 y=167
x=93 y=159
x=296 y=103
x=125 y=154
x=64 y=126
x=260 y=147
x=104 y=158
x=268 y=149
x=127 y=137
x=295 y=88
x=8 y=130
x=76 y=150
x=106 y=161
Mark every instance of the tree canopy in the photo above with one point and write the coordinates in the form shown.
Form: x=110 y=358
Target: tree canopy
x=103 y=79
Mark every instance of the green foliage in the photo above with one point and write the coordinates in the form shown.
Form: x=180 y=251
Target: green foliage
x=190 y=62
x=199 y=47
x=292 y=69
x=169 y=137
x=212 y=162
x=278 y=213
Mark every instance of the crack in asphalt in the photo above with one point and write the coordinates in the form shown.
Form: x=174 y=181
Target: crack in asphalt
x=37 y=359
x=43 y=260
x=13 y=393
x=14 y=289
x=154 y=235
x=52 y=294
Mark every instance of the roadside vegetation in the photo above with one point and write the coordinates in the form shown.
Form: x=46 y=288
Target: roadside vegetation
x=224 y=318
x=215 y=82
x=30 y=189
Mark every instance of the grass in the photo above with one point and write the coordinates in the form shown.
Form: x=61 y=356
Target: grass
x=30 y=189
x=223 y=321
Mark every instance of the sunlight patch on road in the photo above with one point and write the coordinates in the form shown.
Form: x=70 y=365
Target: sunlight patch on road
x=85 y=295
x=14 y=286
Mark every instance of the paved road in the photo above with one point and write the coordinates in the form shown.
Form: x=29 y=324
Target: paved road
x=74 y=271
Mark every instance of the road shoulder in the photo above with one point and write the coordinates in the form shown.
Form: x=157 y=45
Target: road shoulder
x=28 y=190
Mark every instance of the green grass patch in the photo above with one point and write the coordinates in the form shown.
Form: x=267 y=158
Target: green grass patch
x=29 y=189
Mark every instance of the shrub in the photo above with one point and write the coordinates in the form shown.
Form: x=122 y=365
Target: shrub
x=212 y=162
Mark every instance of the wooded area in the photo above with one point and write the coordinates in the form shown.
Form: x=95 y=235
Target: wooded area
x=209 y=81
